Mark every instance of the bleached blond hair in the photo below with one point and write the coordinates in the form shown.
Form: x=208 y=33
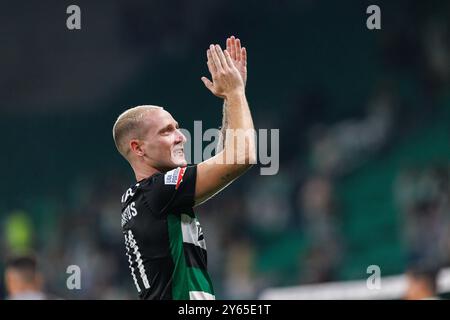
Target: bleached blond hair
x=129 y=125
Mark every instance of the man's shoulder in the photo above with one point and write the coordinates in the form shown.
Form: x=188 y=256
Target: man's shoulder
x=134 y=189
x=161 y=185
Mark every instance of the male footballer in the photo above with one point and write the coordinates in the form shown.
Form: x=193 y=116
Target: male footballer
x=163 y=239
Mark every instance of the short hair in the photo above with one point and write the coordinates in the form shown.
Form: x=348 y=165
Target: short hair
x=128 y=125
x=25 y=265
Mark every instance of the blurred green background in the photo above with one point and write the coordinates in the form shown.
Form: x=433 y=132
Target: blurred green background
x=364 y=119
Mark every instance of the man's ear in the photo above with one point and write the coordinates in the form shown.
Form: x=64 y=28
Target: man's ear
x=136 y=147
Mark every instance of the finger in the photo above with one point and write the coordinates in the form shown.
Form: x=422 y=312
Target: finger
x=238 y=50
x=228 y=58
x=233 y=48
x=228 y=44
x=215 y=58
x=212 y=69
x=244 y=56
x=223 y=61
x=208 y=84
x=211 y=66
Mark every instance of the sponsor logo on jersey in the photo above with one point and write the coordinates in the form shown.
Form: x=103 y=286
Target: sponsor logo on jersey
x=174 y=177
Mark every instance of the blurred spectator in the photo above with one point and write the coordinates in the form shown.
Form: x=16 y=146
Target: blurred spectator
x=422 y=283
x=316 y=200
x=321 y=225
x=267 y=202
x=239 y=271
x=422 y=195
x=23 y=279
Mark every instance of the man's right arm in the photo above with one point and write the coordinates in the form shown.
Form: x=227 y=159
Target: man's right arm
x=239 y=57
x=239 y=152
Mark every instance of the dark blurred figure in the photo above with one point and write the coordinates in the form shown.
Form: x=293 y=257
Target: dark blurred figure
x=23 y=279
x=422 y=283
x=321 y=221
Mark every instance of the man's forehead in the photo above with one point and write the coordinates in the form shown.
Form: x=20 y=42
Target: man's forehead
x=158 y=118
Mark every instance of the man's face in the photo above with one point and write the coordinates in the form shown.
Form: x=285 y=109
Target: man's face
x=163 y=141
x=17 y=282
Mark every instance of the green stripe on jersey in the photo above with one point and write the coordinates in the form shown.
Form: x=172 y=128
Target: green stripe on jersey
x=185 y=278
x=199 y=281
x=180 y=289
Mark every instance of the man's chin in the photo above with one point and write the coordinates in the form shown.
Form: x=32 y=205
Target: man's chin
x=180 y=163
x=183 y=163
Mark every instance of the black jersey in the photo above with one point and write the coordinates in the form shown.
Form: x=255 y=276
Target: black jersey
x=164 y=241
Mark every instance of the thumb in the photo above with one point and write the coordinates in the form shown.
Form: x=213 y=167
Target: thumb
x=207 y=83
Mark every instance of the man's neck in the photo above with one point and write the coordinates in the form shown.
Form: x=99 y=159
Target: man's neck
x=144 y=172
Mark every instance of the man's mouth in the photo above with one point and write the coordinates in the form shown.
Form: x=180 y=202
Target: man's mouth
x=178 y=152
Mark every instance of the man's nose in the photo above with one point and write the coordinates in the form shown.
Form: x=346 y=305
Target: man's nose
x=180 y=137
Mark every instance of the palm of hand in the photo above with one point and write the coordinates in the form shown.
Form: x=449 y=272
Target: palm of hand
x=242 y=69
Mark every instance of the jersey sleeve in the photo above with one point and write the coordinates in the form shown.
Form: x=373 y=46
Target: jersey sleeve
x=174 y=189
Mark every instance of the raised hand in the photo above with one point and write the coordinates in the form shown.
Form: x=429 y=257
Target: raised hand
x=238 y=55
x=226 y=78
